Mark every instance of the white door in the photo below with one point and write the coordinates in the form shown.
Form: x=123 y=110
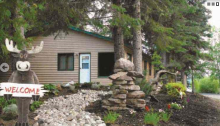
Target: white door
x=84 y=68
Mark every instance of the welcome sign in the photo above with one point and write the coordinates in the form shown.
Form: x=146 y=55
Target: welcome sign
x=21 y=90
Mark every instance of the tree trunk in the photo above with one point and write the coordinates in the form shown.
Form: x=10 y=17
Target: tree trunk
x=117 y=35
x=183 y=78
x=137 y=43
x=164 y=58
x=118 y=42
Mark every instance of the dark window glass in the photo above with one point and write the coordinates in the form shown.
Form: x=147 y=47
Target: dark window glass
x=105 y=64
x=150 y=69
x=129 y=56
x=66 y=61
x=145 y=65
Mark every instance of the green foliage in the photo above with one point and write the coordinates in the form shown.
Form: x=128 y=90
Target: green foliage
x=35 y=105
x=144 y=85
x=152 y=118
x=10 y=112
x=4 y=103
x=111 y=117
x=51 y=88
x=157 y=61
x=174 y=89
x=207 y=85
x=165 y=116
x=176 y=106
x=77 y=85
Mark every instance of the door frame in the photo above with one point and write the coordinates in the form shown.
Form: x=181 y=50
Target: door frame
x=89 y=66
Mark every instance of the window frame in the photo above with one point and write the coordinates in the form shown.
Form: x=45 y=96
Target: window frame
x=58 y=61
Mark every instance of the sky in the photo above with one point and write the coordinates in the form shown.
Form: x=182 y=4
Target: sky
x=215 y=20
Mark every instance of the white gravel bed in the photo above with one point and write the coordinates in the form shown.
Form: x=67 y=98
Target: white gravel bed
x=70 y=110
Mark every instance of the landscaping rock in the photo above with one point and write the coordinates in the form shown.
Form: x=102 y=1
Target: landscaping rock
x=117 y=101
x=124 y=64
x=124 y=88
x=136 y=94
x=135 y=74
x=117 y=75
x=95 y=86
x=135 y=101
x=130 y=87
x=72 y=87
x=125 y=78
x=120 y=96
x=119 y=82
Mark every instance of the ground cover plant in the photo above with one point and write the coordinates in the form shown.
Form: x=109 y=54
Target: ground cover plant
x=35 y=105
x=111 y=117
x=51 y=88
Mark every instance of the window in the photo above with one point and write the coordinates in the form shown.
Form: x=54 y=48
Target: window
x=150 y=69
x=129 y=56
x=66 y=62
x=105 y=64
x=145 y=65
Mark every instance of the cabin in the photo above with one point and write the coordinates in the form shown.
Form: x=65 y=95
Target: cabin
x=79 y=56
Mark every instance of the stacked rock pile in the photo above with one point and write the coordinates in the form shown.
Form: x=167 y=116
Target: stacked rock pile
x=125 y=93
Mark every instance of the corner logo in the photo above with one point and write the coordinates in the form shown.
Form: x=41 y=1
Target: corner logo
x=4 y=67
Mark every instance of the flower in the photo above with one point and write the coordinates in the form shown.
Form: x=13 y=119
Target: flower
x=168 y=106
x=181 y=94
x=147 y=108
x=187 y=100
x=161 y=110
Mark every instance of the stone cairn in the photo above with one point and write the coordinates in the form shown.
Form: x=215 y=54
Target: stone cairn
x=125 y=93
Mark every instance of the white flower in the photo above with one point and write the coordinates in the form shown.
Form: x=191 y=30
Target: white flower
x=161 y=110
x=181 y=94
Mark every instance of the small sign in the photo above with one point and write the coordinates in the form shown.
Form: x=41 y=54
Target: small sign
x=21 y=90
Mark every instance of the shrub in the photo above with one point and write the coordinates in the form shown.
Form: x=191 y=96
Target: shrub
x=10 y=112
x=51 y=88
x=111 y=117
x=197 y=86
x=208 y=85
x=152 y=118
x=174 y=89
x=35 y=105
x=4 y=103
x=144 y=85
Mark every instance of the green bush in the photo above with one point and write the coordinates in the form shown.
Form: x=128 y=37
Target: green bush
x=35 y=105
x=197 y=86
x=144 y=85
x=111 y=117
x=51 y=88
x=208 y=85
x=152 y=118
x=4 y=103
x=10 y=112
x=174 y=89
